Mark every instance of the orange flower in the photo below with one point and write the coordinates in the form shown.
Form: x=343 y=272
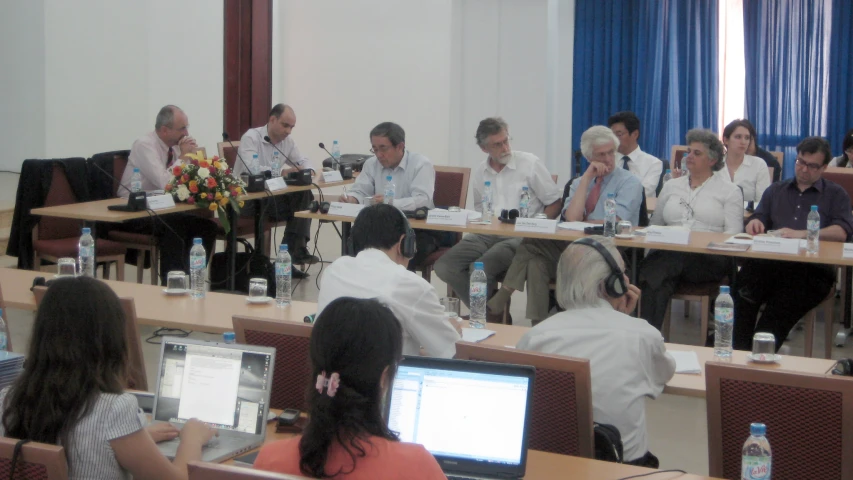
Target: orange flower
x=211 y=182
x=193 y=186
x=203 y=164
x=185 y=178
x=168 y=187
x=176 y=170
x=223 y=201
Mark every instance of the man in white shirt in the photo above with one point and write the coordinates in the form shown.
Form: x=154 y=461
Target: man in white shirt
x=626 y=126
x=412 y=174
x=508 y=171
x=627 y=356
x=282 y=120
x=382 y=248
x=154 y=154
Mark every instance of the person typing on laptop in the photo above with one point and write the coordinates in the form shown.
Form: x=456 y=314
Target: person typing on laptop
x=355 y=347
x=71 y=391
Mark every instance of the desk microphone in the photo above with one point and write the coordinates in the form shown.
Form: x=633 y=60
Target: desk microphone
x=578 y=155
x=135 y=202
x=299 y=177
x=256 y=180
x=346 y=170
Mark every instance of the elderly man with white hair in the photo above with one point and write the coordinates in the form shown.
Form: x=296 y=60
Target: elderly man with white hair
x=535 y=260
x=627 y=356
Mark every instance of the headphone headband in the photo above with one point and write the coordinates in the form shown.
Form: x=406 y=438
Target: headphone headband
x=614 y=284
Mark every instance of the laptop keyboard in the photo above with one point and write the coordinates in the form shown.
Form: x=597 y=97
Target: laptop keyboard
x=458 y=477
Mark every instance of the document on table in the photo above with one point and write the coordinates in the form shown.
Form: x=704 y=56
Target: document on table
x=475 y=335
x=576 y=226
x=686 y=362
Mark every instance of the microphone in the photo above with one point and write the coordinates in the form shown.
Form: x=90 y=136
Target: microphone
x=577 y=166
x=346 y=170
x=301 y=176
x=256 y=180
x=135 y=202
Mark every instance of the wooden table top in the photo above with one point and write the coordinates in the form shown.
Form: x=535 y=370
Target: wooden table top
x=829 y=254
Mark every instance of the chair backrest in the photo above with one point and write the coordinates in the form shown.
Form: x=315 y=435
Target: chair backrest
x=561 y=418
x=451 y=186
x=37 y=461
x=809 y=420
x=292 y=364
x=780 y=157
x=845 y=180
x=678 y=151
x=228 y=152
x=119 y=165
x=137 y=378
x=215 y=471
x=60 y=193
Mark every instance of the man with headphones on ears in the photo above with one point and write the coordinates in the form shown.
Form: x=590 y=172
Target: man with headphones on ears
x=627 y=356
x=380 y=245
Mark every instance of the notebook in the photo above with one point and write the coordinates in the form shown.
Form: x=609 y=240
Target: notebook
x=472 y=416
x=226 y=386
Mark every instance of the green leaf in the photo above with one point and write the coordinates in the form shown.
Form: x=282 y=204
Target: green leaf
x=223 y=219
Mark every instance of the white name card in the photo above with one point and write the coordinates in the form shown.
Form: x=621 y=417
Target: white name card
x=776 y=245
x=345 y=209
x=160 y=202
x=275 y=184
x=535 y=225
x=333 y=176
x=847 y=251
x=443 y=217
x=675 y=236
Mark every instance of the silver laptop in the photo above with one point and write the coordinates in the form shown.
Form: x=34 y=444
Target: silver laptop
x=225 y=386
x=472 y=416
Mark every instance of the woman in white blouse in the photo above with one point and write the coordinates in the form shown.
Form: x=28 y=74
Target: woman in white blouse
x=746 y=171
x=702 y=202
x=846 y=157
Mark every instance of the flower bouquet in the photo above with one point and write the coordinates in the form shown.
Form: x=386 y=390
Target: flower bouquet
x=208 y=183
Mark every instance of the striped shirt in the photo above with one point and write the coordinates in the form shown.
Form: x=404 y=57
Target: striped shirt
x=112 y=416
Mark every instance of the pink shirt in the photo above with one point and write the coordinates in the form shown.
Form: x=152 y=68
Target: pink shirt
x=149 y=155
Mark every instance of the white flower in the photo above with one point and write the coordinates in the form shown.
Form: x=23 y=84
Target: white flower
x=183 y=192
x=226 y=194
x=203 y=173
x=223 y=165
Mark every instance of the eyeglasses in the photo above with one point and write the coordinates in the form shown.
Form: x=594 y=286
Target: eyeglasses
x=382 y=149
x=810 y=166
x=502 y=144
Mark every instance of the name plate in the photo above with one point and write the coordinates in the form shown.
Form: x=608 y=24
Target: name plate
x=535 y=225
x=443 y=217
x=333 y=176
x=345 y=209
x=674 y=236
x=776 y=245
x=160 y=202
x=275 y=184
x=847 y=251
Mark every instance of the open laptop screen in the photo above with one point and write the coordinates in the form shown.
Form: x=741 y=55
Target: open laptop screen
x=469 y=411
x=224 y=386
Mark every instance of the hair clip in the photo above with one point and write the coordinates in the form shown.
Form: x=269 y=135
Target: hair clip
x=331 y=384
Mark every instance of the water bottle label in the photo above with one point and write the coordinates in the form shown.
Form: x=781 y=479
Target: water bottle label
x=87 y=251
x=755 y=468
x=282 y=269
x=3 y=342
x=813 y=225
x=477 y=289
x=724 y=314
x=197 y=262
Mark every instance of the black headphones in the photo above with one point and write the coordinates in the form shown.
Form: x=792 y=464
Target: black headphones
x=843 y=367
x=408 y=245
x=614 y=284
x=508 y=216
x=417 y=214
x=315 y=206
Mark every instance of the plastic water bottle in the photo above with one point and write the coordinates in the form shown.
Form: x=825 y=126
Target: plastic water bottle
x=256 y=164
x=667 y=176
x=487 y=203
x=813 y=231
x=477 y=296
x=336 y=152
x=390 y=190
x=275 y=167
x=198 y=262
x=683 y=164
x=4 y=342
x=229 y=338
x=136 y=181
x=756 y=462
x=724 y=323
x=610 y=216
x=86 y=253
x=282 y=276
x=524 y=203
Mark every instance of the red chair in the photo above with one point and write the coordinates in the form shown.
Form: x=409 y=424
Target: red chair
x=561 y=420
x=36 y=461
x=54 y=238
x=292 y=372
x=451 y=189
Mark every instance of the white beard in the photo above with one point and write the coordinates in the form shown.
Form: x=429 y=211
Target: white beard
x=504 y=159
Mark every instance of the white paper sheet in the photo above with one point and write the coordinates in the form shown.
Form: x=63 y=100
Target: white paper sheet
x=686 y=362
x=476 y=334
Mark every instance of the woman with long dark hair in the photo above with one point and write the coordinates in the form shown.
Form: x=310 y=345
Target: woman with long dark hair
x=355 y=347
x=748 y=172
x=71 y=391
x=846 y=157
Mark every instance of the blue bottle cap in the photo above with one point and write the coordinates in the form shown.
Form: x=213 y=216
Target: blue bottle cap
x=757 y=429
x=229 y=337
x=814 y=208
x=478 y=265
x=388 y=178
x=668 y=171
x=488 y=183
x=197 y=241
x=334 y=142
x=135 y=170
x=524 y=188
x=282 y=247
x=87 y=231
x=611 y=195
x=724 y=289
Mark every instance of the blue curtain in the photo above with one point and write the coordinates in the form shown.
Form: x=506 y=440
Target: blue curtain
x=657 y=58
x=786 y=48
x=840 y=105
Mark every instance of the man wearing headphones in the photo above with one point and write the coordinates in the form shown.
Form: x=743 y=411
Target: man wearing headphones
x=627 y=356
x=381 y=243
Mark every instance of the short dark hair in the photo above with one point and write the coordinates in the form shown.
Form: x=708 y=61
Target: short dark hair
x=377 y=226
x=847 y=144
x=390 y=130
x=357 y=339
x=816 y=145
x=488 y=127
x=629 y=119
x=279 y=109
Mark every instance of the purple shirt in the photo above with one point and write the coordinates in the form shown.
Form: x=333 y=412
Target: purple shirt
x=784 y=206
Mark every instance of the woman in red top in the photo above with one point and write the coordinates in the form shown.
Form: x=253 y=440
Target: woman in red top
x=355 y=347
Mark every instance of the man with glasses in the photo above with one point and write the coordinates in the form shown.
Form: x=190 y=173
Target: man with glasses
x=626 y=127
x=413 y=176
x=788 y=290
x=509 y=171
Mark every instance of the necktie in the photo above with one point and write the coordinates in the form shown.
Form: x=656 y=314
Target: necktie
x=592 y=198
x=625 y=159
x=170 y=157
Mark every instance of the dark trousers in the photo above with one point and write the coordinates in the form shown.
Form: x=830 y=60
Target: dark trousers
x=662 y=271
x=281 y=208
x=175 y=238
x=787 y=290
x=427 y=242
